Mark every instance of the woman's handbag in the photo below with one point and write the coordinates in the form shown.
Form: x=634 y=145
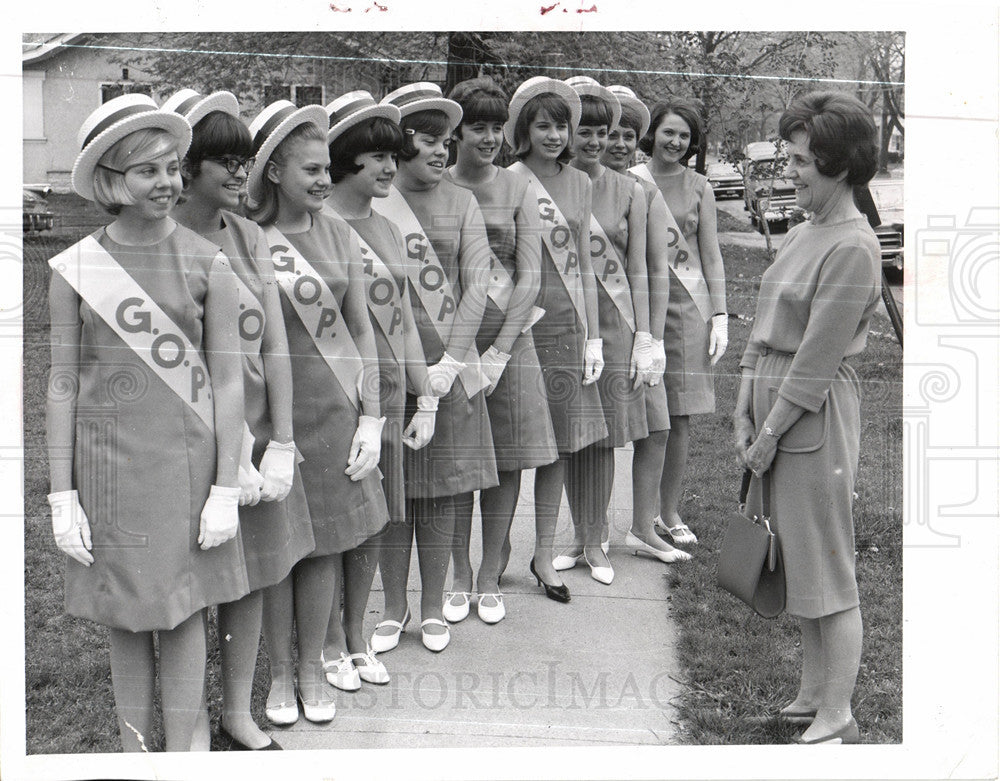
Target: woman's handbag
x=750 y=566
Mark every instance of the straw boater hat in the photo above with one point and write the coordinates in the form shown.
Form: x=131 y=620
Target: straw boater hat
x=584 y=85
x=270 y=128
x=354 y=107
x=423 y=96
x=539 y=85
x=111 y=123
x=194 y=106
x=628 y=98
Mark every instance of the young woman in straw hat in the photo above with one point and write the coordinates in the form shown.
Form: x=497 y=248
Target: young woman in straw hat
x=145 y=349
x=274 y=518
x=335 y=375
x=364 y=138
x=543 y=114
x=522 y=431
x=448 y=263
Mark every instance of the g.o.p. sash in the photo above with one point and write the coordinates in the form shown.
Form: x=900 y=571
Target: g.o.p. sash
x=317 y=308
x=250 y=323
x=431 y=284
x=140 y=322
x=610 y=271
x=384 y=301
x=689 y=275
x=558 y=240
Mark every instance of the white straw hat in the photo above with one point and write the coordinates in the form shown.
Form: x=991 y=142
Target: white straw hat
x=584 y=85
x=114 y=120
x=270 y=128
x=540 y=85
x=194 y=106
x=353 y=107
x=424 y=96
x=628 y=98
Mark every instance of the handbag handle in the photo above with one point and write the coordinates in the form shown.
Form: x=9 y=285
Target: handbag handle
x=765 y=491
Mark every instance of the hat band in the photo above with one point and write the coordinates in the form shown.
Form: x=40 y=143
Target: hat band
x=118 y=116
x=401 y=101
x=271 y=125
x=188 y=104
x=351 y=108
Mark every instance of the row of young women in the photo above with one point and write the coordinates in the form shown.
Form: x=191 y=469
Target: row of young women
x=443 y=329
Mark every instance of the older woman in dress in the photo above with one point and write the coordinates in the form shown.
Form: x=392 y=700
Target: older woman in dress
x=797 y=421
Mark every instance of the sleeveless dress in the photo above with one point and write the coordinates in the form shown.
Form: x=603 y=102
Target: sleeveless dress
x=460 y=456
x=143 y=461
x=689 y=377
x=275 y=534
x=384 y=237
x=575 y=409
x=624 y=406
x=344 y=513
x=519 y=415
x=657 y=411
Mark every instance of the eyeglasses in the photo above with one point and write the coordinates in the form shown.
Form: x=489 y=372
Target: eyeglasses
x=233 y=164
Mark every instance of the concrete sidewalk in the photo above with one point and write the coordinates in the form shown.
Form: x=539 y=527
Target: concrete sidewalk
x=593 y=671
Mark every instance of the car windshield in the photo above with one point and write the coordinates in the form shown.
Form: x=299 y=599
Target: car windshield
x=888 y=196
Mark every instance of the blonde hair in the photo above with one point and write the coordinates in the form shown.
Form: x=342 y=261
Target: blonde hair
x=265 y=211
x=110 y=190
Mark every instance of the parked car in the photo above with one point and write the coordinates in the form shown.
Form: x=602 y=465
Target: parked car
x=888 y=197
x=768 y=193
x=35 y=211
x=726 y=180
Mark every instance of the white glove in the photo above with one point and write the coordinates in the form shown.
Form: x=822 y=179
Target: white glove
x=718 y=339
x=493 y=362
x=442 y=374
x=659 y=362
x=249 y=478
x=593 y=360
x=421 y=427
x=277 y=466
x=365 y=447
x=220 y=517
x=641 y=365
x=70 y=526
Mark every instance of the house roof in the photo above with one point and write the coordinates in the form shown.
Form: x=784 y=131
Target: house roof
x=38 y=48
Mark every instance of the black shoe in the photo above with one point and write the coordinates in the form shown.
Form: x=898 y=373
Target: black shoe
x=558 y=593
x=232 y=744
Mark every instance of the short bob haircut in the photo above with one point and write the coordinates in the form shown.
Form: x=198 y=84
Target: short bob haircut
x=265 y=211
x=377 y=134
x=481 y=101
x=595 y=112
x=110 y=191
x=217 y=134
x=433 y=122
x=630 y=118
x=557 y=110
x=688 y=112
x=841 y=133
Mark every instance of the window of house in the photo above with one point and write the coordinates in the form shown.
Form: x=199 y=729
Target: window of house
x=273 y=92
x=307 y=96
x=111 y=91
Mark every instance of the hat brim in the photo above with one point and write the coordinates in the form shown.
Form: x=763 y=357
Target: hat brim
x=368 y=112
x=314 y=114
x=217 y=101
x=521 y=97
x=177 y=126
x=449 y=107
x=642 y=110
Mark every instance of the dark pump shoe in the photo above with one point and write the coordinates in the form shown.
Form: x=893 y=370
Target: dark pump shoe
x=558 y=593
x=232 y=744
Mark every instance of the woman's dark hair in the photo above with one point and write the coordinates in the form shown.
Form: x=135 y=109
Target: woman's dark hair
x=557 y=110
x=377 y=134
x=686 y=111
x=841 y=133
x=433 y=122
x=481 y=101
x=595 y=111
x=630 y=118
x=217 y=134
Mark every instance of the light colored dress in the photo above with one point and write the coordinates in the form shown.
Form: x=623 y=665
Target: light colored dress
x=813 y=311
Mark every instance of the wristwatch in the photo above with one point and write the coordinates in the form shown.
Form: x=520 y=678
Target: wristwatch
x=770 y=432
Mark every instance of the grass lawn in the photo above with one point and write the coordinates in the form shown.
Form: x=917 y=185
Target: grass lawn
x=735 y=665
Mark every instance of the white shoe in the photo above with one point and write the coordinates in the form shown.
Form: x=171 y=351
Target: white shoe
x=491 y=614
x=370 y=668
x=386 y=642
x=564 y=561
x=637 y=546
x=342 y=673
x=680 y=534
x=601 y=574
x=435 y=642
x=456 y=605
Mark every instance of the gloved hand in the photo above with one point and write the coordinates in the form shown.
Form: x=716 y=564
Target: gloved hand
x=641 y=364
x=277 y=466
x=250 y=479
x=365 y=447
x=493 y=362
x=718 y=339
x=70 y=526
x=659 y=362
x=220 y=518
x=421 y=426
x=442 y=374
x=593 y=360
